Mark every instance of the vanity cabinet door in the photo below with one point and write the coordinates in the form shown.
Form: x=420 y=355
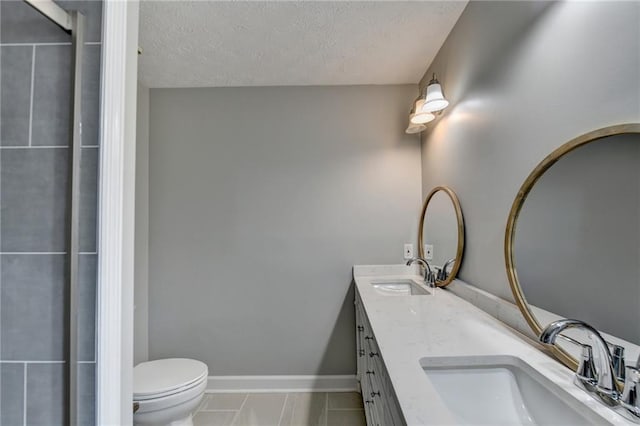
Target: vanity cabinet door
x=380 y=404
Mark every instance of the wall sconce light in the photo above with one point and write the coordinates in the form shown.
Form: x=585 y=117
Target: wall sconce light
x=434 y=99
x=424 y=107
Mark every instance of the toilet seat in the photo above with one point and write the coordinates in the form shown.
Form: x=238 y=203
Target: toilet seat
x=166 y=377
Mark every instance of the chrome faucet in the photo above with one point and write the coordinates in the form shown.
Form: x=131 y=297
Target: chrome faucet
x=442 y=275
x=429 y=278
x=601 y=380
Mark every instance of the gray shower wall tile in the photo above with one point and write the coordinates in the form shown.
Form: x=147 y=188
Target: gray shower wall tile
x=11 y=394
x=52 y=96
x=20 y=23
x=32 y=310
x=91 y=95
x=88 y=199
x=32 y=307
x=88 y=265
x=45 y=394
x=33 y=198
x=86 y=394
x=15 y=78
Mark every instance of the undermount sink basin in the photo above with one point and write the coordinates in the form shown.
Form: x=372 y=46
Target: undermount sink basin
x=503 y=390
x=401 y=287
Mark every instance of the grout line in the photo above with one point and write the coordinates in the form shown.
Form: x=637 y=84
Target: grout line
x=34 y=146
x=24 y=396
x=233 y=421
x=43 y=146
x=45 y=252
x=33 y=73
x=33 y=252
x=24 y=361
x=286 y=398
x=60 y=43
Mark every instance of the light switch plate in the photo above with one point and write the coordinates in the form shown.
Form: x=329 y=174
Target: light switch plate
x=428 y=251
x=408 y=251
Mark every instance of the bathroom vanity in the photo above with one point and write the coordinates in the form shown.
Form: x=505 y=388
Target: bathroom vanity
x=430 y=357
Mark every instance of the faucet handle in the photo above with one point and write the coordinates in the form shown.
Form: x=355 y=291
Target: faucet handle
x=629 y=398
x=586 y=373
x=617 y=360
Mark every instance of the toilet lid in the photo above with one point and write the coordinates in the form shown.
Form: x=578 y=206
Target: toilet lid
x=162 y=376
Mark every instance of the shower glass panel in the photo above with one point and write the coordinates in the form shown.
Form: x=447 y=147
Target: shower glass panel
x=36 y=112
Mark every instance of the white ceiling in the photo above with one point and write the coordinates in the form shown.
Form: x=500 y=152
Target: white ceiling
x=290 y=43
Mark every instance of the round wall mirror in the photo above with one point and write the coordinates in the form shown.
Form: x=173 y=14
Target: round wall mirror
x=441 y=234
x=572 y=243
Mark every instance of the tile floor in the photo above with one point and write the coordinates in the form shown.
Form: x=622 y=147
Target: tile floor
x=281 y=409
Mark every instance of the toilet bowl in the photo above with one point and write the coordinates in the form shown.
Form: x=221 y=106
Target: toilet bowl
x=168 y=391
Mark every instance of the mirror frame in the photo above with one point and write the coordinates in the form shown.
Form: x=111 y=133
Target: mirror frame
x=460 y=248
x=523 y=192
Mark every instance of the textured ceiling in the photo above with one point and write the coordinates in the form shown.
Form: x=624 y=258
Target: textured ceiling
x=286 y=43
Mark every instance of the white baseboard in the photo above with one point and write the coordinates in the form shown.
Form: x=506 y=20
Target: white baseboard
x=257 y=384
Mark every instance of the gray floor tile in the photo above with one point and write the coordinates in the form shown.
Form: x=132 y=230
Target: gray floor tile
x=346 y=418
x=52 y=96
x=32 y=310
x=214 y=418
x=223 y=401
x=34 y=188
x=11 y=394
x=261 y=409
x=345 y=400
x=45 y=391
x=309 y=409
x=15 y=78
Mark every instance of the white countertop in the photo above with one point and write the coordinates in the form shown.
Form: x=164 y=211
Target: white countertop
x=408 y=328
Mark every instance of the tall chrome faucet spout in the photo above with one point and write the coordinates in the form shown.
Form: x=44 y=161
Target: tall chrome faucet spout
x=606 y=386
x=429 y=279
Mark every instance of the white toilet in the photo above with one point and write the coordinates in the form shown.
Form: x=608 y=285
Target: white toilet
x=168 y=391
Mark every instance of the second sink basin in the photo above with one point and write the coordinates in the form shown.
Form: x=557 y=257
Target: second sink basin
x=503 y=390
x=399 y=287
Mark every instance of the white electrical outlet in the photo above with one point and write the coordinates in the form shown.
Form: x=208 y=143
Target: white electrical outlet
x=408 y=251
x=428 y=251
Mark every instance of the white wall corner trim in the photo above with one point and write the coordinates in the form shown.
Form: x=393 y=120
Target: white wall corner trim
x=111 y=373
x=257 y=384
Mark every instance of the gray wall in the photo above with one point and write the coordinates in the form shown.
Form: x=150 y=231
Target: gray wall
x=579 y=228
x=260 y=202
x=35 y=73
x=141 y=265
x=523 y=78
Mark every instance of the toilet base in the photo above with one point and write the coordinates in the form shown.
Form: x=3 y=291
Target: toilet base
x=187 y=421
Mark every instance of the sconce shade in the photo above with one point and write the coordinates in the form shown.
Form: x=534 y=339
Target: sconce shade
x=415 y=128
x=434 y=99
x=418 y=115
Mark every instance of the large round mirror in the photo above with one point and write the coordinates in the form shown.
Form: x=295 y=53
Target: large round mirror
x=572 y=245
x=441 y=234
